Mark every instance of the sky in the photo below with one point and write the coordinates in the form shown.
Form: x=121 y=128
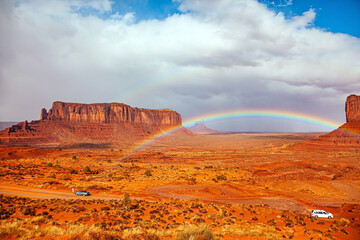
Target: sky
x=197 y=57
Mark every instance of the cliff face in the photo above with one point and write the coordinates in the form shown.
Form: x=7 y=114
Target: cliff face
x=109 y=113
x=352 y=108
x=74 y=123
x=348 y=134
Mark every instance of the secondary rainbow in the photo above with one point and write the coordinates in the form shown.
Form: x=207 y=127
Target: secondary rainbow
x=252 y=113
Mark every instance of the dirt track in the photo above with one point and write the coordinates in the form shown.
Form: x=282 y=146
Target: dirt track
x=228 y=196
x=22 y=191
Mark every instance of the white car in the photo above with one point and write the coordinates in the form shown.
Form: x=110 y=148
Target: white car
x=82 y=193
x=321 y=214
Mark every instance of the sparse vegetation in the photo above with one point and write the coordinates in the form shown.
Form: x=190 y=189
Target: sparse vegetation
x=173 y=180
x=148 y=173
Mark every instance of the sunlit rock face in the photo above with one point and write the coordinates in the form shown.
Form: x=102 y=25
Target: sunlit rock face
x=348 y=134
x=109 y=113
x=352 y=108
x=71 y=123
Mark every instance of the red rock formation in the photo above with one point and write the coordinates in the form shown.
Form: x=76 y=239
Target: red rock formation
x=352 y=108
x=201 y=128
x=348 y=134
x=109 y=113
x=67 y=123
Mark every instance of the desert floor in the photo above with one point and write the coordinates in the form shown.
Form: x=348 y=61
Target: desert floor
x=231 y=186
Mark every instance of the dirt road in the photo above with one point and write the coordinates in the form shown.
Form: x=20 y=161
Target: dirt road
x=22 y=191
x=222 y=194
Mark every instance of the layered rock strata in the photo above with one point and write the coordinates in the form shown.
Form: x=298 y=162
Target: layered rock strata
x=347 y=134
x=100 y=122
x=352 y=108
x=109 y=113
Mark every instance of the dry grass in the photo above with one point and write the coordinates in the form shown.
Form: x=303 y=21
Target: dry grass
x=247 y=229
x=201 y=232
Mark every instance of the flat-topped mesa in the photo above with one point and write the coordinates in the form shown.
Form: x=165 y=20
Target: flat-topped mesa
x=352 y=108
x=109 y=113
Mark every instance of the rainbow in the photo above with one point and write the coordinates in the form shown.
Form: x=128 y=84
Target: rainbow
x=253 y=113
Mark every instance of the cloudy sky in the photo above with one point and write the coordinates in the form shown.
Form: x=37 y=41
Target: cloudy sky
x=194 y=56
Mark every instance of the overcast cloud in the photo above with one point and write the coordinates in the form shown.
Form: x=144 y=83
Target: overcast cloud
x=214 y=56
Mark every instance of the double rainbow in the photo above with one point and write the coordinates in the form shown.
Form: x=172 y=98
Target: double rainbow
x=253 y=113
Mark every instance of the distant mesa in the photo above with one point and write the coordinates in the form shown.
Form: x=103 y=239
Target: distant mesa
x=76 y=124
x=109 y=113
x=201 y=128
x=70 y=123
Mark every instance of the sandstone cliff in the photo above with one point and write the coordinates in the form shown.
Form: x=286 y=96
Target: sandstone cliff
x=72 y=123
x=109 y=113
x=348 y=134
x=352 y=108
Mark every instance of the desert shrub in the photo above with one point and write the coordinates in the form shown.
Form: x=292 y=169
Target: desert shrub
x=196 y=204
x=5 y=213
x=87 y=169
x=103 y=236
x=49 y=164
x=221 y=177
x=106 y=208
x=192 y=180
x=126 y=200
x=148 y=173
x=66 y=177
x=27 y=211
x=272 y=222
x=344 y=222
x=196 y=233
x=74 y=157
x=320 y=222
x=73 y=171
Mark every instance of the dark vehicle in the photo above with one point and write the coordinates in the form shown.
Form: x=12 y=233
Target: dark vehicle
x=82 y=193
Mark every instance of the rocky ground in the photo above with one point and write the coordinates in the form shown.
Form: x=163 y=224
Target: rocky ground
x=233 y=186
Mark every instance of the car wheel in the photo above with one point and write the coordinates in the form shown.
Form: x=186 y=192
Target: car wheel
x=329 y=217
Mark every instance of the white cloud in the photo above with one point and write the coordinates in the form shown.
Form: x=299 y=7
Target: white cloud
x=222 y=54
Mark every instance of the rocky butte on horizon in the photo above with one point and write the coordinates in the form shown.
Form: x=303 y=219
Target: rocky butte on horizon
x=352 y=108
x=109 y=113
x=347 y=134
x=98 y=122
x=67 y=123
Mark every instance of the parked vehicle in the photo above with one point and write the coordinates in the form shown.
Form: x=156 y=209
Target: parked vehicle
x=82 y=193
x=321 y=214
